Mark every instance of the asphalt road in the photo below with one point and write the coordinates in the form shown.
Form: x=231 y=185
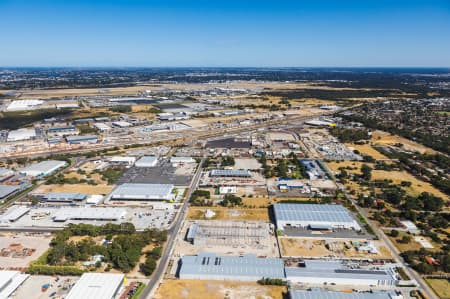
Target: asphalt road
x=394 y=251
x=173 y=231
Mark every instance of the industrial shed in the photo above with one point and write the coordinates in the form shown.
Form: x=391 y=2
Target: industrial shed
x=10 y=281
x=230 y=173
x=97 y=286
x=314 y=216
x=327 y=272
x=7 y=190
x=63 y=197
x=147 y=161
x=131 y=191
x=100 y=214
x=43 y=168
x=209 y=266
x=323 y=294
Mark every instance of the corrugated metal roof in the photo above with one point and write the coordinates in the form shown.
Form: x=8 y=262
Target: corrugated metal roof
x=311 y=212
x=322 y=294
x=247 y=265
x=231 y=173
x=96 y=286
x=6 y=190
x=142 y=191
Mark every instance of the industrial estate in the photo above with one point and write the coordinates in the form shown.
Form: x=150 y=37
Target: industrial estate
x=224 y=184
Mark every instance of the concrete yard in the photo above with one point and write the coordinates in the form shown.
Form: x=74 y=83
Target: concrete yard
x=220 y=238
x=32 y=287
x=13 y=247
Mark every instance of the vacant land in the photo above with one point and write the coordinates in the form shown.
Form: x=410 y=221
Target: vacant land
x=197 y=213
x=197 y=289
x=81 y=188
x=368 y=150
x=349 y=166
x=384 y=138
x=402 y=247
x=417 y=186
x=441 y=287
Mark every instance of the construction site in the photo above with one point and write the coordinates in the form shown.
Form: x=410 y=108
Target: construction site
x=228 y=238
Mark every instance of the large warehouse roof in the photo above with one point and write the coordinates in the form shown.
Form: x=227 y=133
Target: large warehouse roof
x=104 y=214
x=131 y=191
x=230 y=173
x=208 y=264
x=322 y=294
x=43 y=168
x=64 y=196
x=10 y=281
x=6 y=190
x=335 y=270
x=147 y=161
x=21 y=134
x=96 y=286
x=14 y=213
x=311 y=212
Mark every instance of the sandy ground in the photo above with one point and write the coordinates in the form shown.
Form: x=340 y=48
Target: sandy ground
x=198 y=213
x=366 y=149
x=39 y=242
x=82 y=188
x=316 y=248
x=383 y=138
x=196 y=289
x=417 y=186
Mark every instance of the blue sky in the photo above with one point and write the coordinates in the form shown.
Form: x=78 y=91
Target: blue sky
x=225 y=33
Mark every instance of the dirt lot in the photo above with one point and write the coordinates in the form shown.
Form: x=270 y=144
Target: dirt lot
x=366 y=149
x=82 y=188
x=317 y=248
x=441 y=287
x=197 y=289
x=37 y=242
x=384 y=138
x=198 y=213
x=417 y=186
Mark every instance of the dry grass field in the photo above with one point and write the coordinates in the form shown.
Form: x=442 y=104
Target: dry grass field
x=82 y=188
x=354 y=167
x=384 y=138
x=441 y=287
x=366 y=149
x=417 y=186
x=198 y=213
x=207 y=289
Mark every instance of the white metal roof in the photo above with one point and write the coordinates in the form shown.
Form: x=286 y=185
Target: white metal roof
x=21 y=134
x=14 y=213
x=311 y=212
x=147 y=161
x=96 y=286
x=88 y=213
x=6 y=190
x=10 y=281
x=43 y=167
x=23 y=105
x=142 y=191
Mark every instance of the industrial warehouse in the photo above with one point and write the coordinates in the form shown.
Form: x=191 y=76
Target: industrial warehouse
x=318 y=272
x=322 y=294
x=209 y=266
x=97 y=286
x=314 y=216
x=130 y=191
x=228 y=233
x=43 y=168
x=10 y=281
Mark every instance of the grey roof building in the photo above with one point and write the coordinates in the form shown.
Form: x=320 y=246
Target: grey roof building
x=7 y=190
x=314 y=216
x=43 y=168
x=323 y=294
x=230 y=173
x=131 y=191
x=246 y=268
x=64 y=196
x=326 y=272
